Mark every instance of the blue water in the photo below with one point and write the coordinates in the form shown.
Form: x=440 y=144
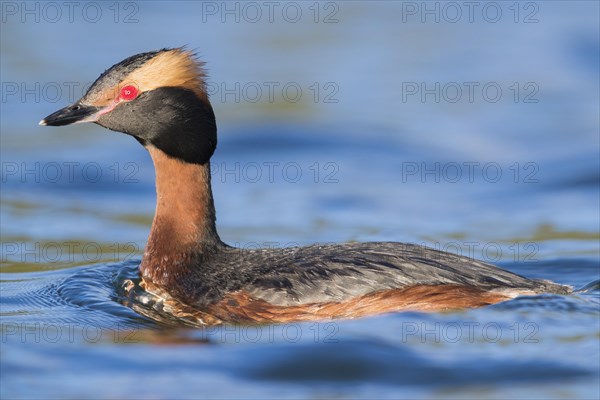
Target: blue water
x=385 y=142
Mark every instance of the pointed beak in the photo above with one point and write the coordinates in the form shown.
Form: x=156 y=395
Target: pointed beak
x=72 y=114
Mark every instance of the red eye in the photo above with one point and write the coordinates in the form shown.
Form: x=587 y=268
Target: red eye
x=128 y=93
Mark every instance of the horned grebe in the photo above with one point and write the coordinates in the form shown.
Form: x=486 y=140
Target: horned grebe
x=160 y=99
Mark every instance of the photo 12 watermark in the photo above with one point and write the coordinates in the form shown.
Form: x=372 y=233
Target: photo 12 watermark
x=469 y=92
x=468 y=332
x=69 y=251
x=470 y=172
x=325 y=172
x=68 y=172
x=52 y=12
x=50 y=333
x=254 y=12
x=315 y=332
x=490 y=252
x=471 y=12
x=273 y=92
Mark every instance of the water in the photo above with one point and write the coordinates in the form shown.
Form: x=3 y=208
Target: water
x=356 y=157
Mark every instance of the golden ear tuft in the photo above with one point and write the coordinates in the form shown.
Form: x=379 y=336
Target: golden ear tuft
x=170 y=68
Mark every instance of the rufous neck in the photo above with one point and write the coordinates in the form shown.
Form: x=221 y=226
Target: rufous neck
x=184 y=222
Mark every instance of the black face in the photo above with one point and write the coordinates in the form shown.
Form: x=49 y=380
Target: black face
x=172 y=119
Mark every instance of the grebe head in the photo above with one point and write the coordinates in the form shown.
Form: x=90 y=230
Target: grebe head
x=158 y=97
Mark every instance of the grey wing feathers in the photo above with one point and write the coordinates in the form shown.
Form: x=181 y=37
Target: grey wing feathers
x=335 y=273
